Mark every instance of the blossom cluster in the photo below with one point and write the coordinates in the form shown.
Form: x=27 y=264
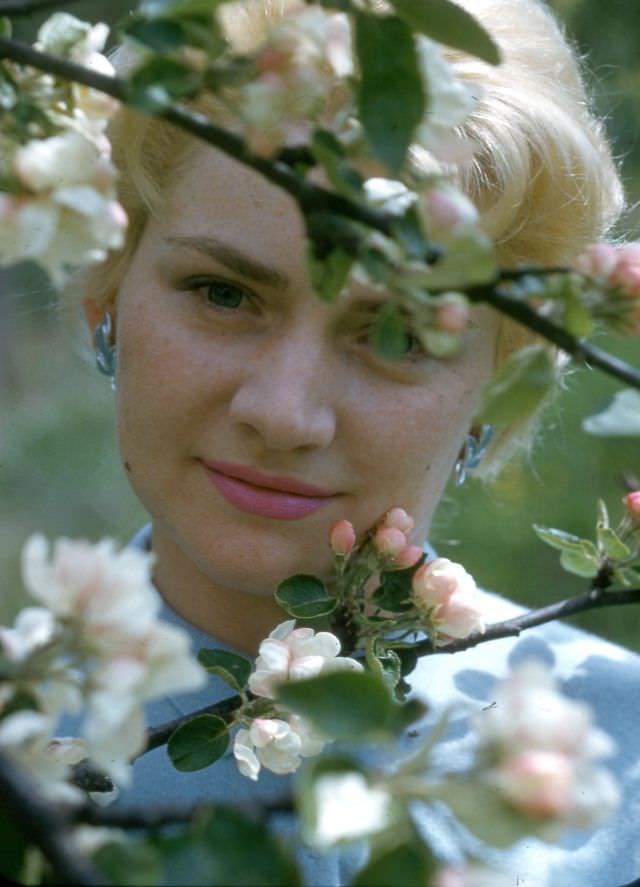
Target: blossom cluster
x=617 y=269
x=444 y=595
x=448 y=597
x=96 y=644
x=539 y=751
x=288 y=654
x=59 y=205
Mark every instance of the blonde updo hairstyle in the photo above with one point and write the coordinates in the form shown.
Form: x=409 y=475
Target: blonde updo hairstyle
x=542 y=175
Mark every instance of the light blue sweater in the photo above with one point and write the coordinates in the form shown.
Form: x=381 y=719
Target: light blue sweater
x=604 y=675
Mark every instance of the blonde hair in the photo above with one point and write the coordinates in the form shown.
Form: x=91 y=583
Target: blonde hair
x=542 y=175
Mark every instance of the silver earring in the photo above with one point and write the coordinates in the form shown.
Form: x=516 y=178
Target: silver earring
x=105 y=349
x=473 y=452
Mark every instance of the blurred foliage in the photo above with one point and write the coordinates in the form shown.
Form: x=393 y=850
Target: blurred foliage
x=59 y=468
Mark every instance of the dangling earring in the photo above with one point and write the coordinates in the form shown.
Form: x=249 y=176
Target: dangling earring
x=105 y=349
x=473 y=451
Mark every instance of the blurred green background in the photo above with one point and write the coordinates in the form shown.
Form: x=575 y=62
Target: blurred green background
x=59 y=470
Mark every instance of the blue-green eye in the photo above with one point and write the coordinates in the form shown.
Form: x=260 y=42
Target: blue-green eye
x=222 y=294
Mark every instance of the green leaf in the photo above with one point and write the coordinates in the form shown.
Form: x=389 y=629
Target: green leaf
x=409 y=864
x=390 y=668
x=243 y=851
x=231 y=667
x=304 y=597
x=481 y=809
x=577 y=319
x=160 y=81
x=5 y=26
x=329 y=152
x=390 y=338
x=391 y=93
x=198 y=743
x=409 y=230
x=470 y=259
x=558 y=538
x=329 y=275
x=393 y=592
x=612 y=545
x=620 y=419
x=580 y=562
x=603 y=514
x=519 y=388
x=129 y=864
x=345 y=704
x=178 y=8
x=13 y=845
x=348 y=705
x=161 y=35
x=450 y=24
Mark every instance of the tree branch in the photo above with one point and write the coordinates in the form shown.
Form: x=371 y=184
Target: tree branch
x=157 y=736
x=313 y=198
x=46 y=825
x=581 y=350
x=26 y=7
x=593 y=599
x=168 y=814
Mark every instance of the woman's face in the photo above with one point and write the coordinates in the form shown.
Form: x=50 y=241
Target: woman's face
x=233 y=376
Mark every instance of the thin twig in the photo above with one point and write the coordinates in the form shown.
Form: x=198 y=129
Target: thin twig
x=167 y=814
x=46 y=825
x=581 y=350
x=592 y=599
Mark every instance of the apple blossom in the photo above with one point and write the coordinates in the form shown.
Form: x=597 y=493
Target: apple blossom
x=626 y=273
x=597 y=261
x=537 y=782
x=542 y=747
x=34 y=627
x=342 y=538
x=447 y=212
x=291 y=653
x=348 y=808
x=26 y=738
x=632 y=501
x=449 y=598
x=276 y=744
x=122 y=654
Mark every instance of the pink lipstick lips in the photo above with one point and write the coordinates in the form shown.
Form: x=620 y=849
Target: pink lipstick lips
x=280 y=498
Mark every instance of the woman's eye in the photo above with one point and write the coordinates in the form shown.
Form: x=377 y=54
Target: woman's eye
x=222 y=294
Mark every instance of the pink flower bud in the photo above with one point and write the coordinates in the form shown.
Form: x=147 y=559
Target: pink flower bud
x=342 y=538
x=626 y=273
x=389 y=542
x=447 y=211
x=538 y=783
x=632 y=501
x=452 y=314
x=408 y=557
x=597 y=261
x=398 y=519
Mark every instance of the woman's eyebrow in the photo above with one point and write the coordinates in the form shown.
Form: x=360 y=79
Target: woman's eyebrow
x=233 y=259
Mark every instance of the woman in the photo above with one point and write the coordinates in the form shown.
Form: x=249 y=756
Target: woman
x=251 y=415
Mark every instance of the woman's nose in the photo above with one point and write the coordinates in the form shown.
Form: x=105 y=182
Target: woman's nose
x=285 y=396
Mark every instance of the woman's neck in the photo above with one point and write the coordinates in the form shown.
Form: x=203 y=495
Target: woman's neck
x=232 y=616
